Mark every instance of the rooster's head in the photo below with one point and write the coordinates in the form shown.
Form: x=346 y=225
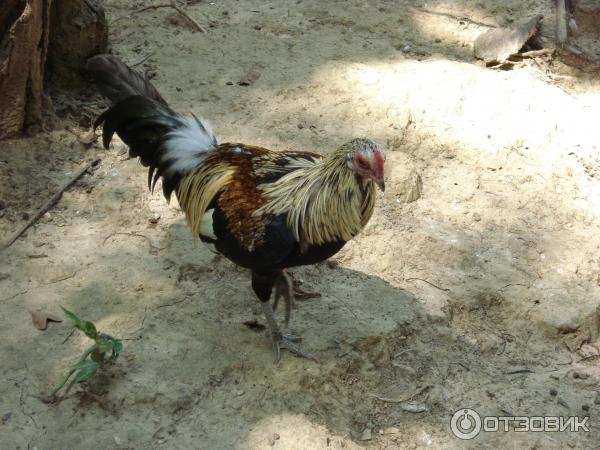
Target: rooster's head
x=366 y=158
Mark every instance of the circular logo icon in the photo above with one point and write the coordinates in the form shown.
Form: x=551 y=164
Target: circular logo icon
x=465 y=424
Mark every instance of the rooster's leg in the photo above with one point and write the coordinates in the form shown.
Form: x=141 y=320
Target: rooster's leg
x=262 y=284
x=281 y=341
x=284 y=288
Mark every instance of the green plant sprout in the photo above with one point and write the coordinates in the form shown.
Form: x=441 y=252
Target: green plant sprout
x=105 y=350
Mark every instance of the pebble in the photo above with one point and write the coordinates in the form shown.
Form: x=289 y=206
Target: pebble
x=597 y=398
x=414 y=409
x=390 y=430
x=273 y=439
x=581 y=375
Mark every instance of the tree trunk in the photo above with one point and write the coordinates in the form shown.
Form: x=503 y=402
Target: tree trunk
x=23 y=48
x=63 y=32
x=78 y=32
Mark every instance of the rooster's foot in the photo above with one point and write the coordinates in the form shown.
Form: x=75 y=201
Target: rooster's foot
x=290 y=343
x=281 y=341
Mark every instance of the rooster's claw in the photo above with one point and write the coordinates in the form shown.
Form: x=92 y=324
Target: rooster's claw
x=290 y=343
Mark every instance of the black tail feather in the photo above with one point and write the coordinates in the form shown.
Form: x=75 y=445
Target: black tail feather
x=143 y=124
x=168 y=144
x=117 y=81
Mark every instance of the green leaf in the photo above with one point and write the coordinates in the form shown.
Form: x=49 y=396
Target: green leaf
x=89 y=329
x=106 y=345
x=86 y=371
x=118 y=346
x=76 y=320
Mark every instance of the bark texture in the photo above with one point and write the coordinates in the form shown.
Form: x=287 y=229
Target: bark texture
x=35 y=35
x=23 y=50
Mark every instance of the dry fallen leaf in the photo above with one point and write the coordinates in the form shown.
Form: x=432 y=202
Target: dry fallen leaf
x=40 y=319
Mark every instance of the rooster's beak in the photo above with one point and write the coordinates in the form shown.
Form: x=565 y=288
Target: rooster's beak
x=381 y=184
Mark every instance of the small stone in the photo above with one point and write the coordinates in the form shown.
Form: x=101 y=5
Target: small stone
x=229 y=83
x=366 y=435
x=154 y=219
x=553 y=392
x=597 y=398
x=585 y=407
x=273 y=439
x=391 y=430
x=2 y=204
x=406 y=49
x=581 y=375
x=476 y=217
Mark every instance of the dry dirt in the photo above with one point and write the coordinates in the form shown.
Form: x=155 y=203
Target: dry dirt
x=482 y=293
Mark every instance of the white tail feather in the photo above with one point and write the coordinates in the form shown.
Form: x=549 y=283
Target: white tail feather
x=185 y=144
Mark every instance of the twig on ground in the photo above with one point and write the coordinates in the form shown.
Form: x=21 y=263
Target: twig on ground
x=22 y=405
x=142 y=59
x=172 y=304
x=587 y=358
x=517 y=371
x=14 y=295
x=141 y=327
x=173 y=4
x=68 y=336
x=62 y=278
x=429 y=283
x=49 y=204
x=534 y=53
x=452 y=16
x=543 y=71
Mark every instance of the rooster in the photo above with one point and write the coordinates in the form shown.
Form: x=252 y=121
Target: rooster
x=264 y=210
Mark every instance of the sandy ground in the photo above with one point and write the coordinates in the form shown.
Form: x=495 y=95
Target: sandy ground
x=482 y=293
